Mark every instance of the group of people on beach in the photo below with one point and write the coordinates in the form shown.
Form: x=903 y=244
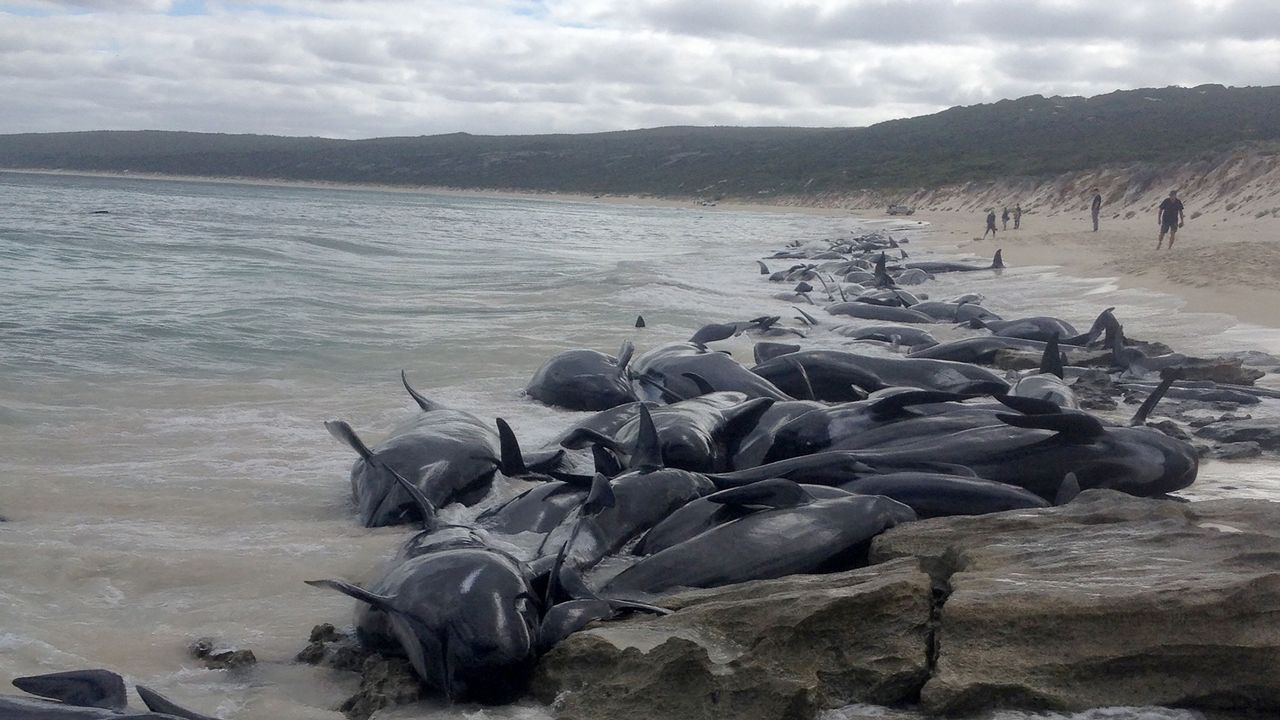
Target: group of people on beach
x=1169 y=216
x=1004 y=219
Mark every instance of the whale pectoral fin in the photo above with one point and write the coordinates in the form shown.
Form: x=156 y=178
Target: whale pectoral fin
x=417 y=646
x=775 y=494
x=1029 y=406
x=156 y=702
x=704 y=387
x=425 y=506
x=579 y=481
x=342 y=432
x=896 y=405
x=807 y=317
x=418 y=397
x=381 y=602
x=1153 y=399
x=581 y=438
x=81 y=688
x=1068 y=490
x=544 y=460
x=1072 y=425
x=625 y=353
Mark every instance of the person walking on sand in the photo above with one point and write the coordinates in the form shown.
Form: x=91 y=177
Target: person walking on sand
x=1095 y=208
x=1017 y=216
x=1004 y=219
x=991 y=224
x=1170 y=218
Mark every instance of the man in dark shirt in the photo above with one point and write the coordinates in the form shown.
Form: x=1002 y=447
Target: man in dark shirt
x=1096 y=208
x=1170 y=218
x=991 y=224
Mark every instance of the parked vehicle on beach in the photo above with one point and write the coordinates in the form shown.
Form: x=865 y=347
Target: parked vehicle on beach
x=901 y=210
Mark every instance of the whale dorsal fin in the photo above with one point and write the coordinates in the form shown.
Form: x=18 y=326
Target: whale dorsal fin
x=625 y=352
x=512 y=459
x=81 y=688
x=647 y=455
x=997 y=261
x=1068 y=490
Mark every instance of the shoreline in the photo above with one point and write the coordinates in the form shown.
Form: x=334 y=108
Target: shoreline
x=1230 y=267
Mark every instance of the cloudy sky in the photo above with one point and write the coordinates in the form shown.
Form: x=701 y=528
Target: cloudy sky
x=347 y=68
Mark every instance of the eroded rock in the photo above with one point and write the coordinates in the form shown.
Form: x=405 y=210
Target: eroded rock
x=1110 y=600
x=768 y=649
x=1266 y=433
x=219 y=656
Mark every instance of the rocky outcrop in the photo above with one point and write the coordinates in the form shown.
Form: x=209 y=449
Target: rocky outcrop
x=1111 y=600
x=769 y=649
x=1219 y=370
x=1266 y=433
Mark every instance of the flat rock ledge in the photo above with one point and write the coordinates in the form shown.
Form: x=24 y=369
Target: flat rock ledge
x=770 y=649
x=1109 y=601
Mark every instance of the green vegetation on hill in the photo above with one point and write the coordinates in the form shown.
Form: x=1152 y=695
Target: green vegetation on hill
x=1031 y=136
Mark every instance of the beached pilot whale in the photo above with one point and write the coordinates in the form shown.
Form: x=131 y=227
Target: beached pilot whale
x=933 y=267
x=790 y=532
x=701 y=435
x=87 y=695
x=661 y=374
x=466 y=616
x=584 y=380
x=833 y=375
x=450 y=455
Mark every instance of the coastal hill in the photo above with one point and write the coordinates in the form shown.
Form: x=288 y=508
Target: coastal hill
x=1029 y=137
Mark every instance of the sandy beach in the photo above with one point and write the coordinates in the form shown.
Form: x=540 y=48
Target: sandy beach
x=1217 y=265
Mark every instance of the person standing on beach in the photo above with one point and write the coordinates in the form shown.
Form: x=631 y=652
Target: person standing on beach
x=1004 y=219
x=1170 y=218
x=1095 y=208
x=991 y=224
x=1017 y=216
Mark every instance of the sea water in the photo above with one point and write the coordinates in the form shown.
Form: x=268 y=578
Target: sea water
x=169 y=351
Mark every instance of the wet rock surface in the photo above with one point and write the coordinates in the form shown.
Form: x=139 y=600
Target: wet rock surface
x=769 y=649
x=1266 y=433
x=216 y=655
x=1111 y=600
x=384 y=682
x=1095 y=390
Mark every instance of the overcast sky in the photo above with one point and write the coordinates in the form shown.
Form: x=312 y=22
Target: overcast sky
x=346 y=68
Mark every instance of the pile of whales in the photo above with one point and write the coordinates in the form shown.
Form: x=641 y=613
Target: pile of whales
x=694 y=470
